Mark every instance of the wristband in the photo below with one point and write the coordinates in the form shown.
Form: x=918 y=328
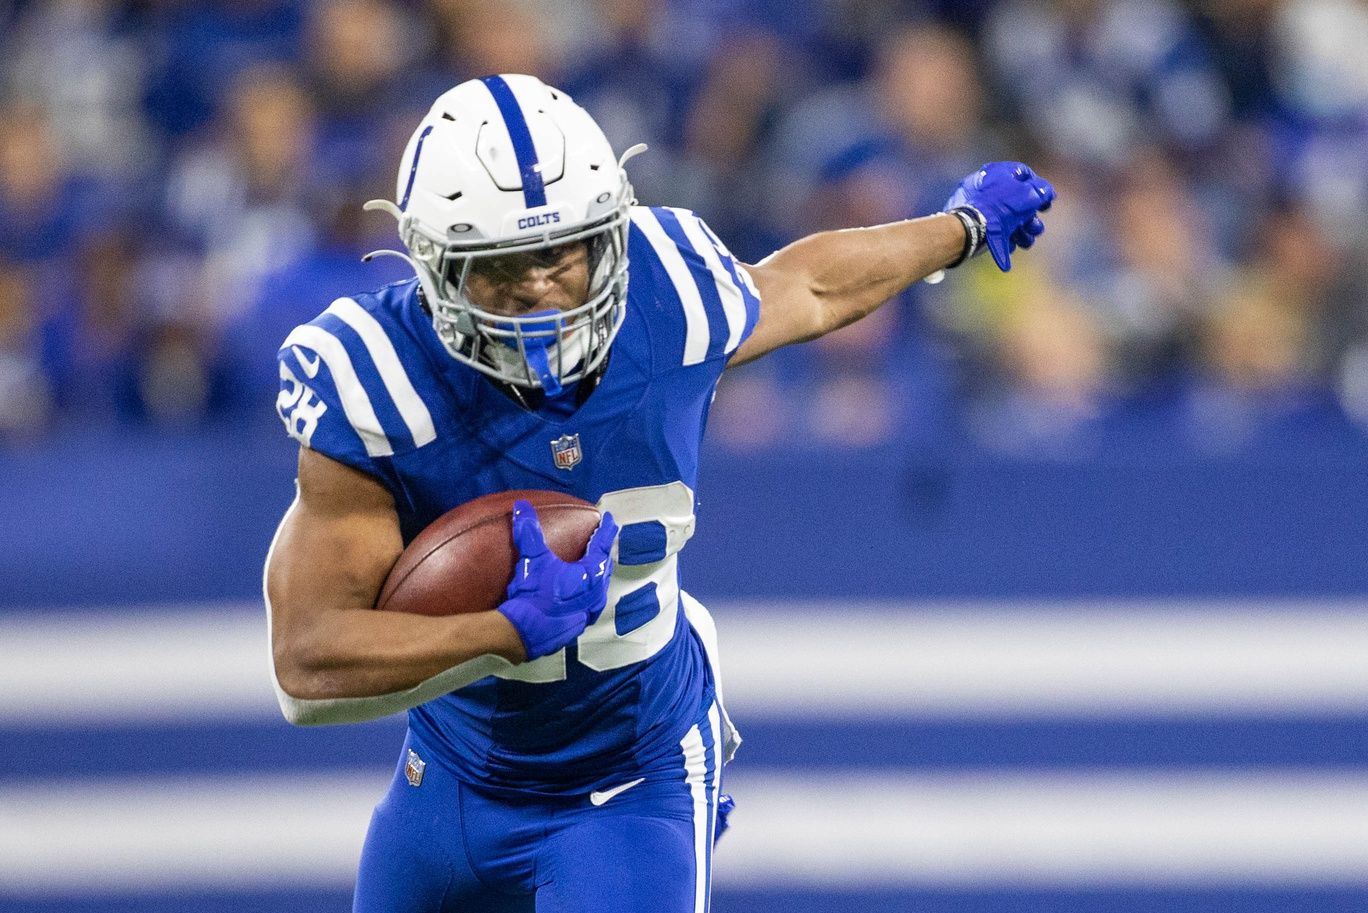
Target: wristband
x=975 y=232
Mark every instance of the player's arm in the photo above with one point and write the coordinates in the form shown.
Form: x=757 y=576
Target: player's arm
x=827 y=280
x=337 y=660
x=332 y=552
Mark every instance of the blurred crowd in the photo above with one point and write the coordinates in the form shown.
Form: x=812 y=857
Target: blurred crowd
x=181 y=182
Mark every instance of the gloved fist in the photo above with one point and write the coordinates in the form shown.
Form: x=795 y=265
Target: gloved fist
x=550 y=601
x=1007 y=198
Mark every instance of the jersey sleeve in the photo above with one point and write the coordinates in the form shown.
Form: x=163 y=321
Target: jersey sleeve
x=343 y=392
x=718 y=300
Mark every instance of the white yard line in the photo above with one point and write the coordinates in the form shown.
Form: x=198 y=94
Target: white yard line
x=986 y=661
x=839 y=830
x=778 y=661
x=1069 y=828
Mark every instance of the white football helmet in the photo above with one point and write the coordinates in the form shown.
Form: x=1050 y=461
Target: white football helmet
x=504 y=165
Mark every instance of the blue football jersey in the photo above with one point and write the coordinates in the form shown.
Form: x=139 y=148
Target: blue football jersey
x=369 y=384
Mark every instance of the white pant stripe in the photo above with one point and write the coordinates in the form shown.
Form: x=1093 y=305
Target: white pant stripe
x=714 y=785
x=696 y=774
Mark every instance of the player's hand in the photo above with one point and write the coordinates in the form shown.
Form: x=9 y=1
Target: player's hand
x=1009 y=198
x=550 y=601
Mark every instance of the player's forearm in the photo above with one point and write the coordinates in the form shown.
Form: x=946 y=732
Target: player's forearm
x=353 y=665
x=328 y=641
x=851 y=272
x=364 y=653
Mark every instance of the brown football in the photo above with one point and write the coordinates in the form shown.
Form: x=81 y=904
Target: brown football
x=464 y=560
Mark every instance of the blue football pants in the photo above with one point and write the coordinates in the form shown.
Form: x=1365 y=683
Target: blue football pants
x=448 y=847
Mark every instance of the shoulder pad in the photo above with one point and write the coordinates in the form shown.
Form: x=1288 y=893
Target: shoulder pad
x=345 y=391
x=700 y=281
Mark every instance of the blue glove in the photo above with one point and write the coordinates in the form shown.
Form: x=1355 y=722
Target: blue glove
x=1007 y=198
x=725 y=806
x=550 y=601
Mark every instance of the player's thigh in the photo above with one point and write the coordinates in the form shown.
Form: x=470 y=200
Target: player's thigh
x=647 y=847
x=406 y=861
x=624 y=864
x=414 y=859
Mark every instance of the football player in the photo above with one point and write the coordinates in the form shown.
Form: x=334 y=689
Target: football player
x=564 y=753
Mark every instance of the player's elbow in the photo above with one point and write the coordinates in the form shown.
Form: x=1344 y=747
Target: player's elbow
x=289 y=678
x=302 y=713
x=298 y=692
x=295 y=711
x=300 y=669
x=311 y=700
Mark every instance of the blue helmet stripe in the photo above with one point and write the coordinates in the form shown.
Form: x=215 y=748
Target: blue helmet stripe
x=534 y=190
x=413 y=168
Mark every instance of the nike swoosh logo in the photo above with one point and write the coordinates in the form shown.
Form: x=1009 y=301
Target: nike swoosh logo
x=310 y=367
x=600 y=798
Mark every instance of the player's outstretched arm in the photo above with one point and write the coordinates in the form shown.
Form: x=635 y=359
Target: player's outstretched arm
x=335 y=658
x=824 y=281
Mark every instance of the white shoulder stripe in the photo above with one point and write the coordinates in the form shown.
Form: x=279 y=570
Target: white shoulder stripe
x=733 y=304
x=696 y=776
x=740 y=267
x=355 y=402
x=396 y=379
x=696 y=334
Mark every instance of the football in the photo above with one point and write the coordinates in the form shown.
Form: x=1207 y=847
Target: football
x=464 y=561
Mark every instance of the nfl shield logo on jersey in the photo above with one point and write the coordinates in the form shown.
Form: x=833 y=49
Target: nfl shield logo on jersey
x=565 y=450
x=413 y=768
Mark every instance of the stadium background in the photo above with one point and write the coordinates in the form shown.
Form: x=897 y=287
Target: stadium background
x=1038 y=592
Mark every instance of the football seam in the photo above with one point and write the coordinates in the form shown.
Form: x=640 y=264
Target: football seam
x=483 y=521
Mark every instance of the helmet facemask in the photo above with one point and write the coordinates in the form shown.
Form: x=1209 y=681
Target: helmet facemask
x=506 y=347
x=544 y=349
